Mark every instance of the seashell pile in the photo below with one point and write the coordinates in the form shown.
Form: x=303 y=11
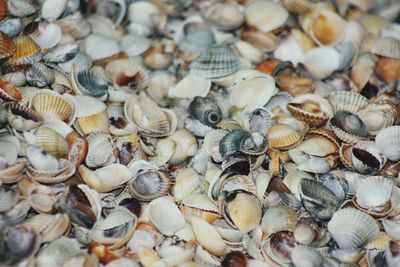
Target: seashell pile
x=235 y=133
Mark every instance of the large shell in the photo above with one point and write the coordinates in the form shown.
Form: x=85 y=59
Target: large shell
x=215 y=62
x=352 y=228
x=278 y=218
x=91 y=115
x=51 y=105
x=128 y=75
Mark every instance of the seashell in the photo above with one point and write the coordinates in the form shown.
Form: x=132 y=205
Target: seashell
x=51 y=142
x=190 y=87
x=388 y=69
x=142 y=16
x=391 y=255
x=22 y=118
x=61 y=53
x=144 y=113
x=347 y=101
x=127 y=75
x=92 y=82
x=248 y=83
x=186 y=182
x=304 y=234
x=278 y=218
x=313 y=109
x=100 y=149
x=148 y=181
x=327 y=28
x=39 y=75
x=194 y=39
x=266 y=15
x=248 y=218
x=348 y=54
x=58 y=252
x=208 y=237
x=362 y=69
x=235 y=258
x=386 y=140
x=51 y=105
x=317 y=199
x=391 y=227
x=282 y=136
x=40 y=160
x=321 y=62
x=19 y=242
x=82 y=204
x=303 y=256
x=115 y=230
x=352 y=228
x=205 y=110
x=65 y=170
x=8 y=48
x=186 y=146
x=379 y=201
x=3 y=9
x=51 y=10
x=265 y=41
x=49 y=227
x=134 y=45
x=215 y=62
x=170 y=220
x=8 y=199
x=91 y=115
x=100 y=47
x=278 y=248
x=14 y=173
x=295 y=86
x=348 y=127
x=224 y=16
x=387 y=47
x=240 y=141
x=257 y=120
x=9 y=91
x=298 y=6
x=45 y=34
x=107 y=178
x=365 y=158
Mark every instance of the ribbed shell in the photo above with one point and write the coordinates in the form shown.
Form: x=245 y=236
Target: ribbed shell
x=282 y=136
x=26 y=48
x=7 y=46
x=215 y=62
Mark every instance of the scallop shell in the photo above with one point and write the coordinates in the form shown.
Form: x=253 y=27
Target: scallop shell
x=266 y=15
x=166 y=216
x=215 y=62
x=91 y=115
x=387 y=47
x=51 y=105
x=278 y=218
x=9 y=91
x=352 y=228
x=382 y=188
x=282 y=136
x=387 y=142
x=51 y=141
x=348 y=127
x=8 y=48
x=347 y=101
x=186 y=182
x=26 y=51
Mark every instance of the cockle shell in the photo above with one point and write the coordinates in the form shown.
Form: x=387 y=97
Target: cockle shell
x=266 y=15
x=387 y=142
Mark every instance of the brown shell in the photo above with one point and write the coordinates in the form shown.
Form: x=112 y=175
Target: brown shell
x=268 y=66
x=7 y=46
x=78 y=148
x=296 y=86
x=388 y=69
x=106 y=60
x=3 y=9
x=282 y=136
x=314 y=120
x=9 y=91
x=25 y=49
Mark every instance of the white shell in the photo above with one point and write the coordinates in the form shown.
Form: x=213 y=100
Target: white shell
x=266 y=15
x=374 y=193
x=388 y=141
x=99 y=46
x=190 y=87
x=321 y=62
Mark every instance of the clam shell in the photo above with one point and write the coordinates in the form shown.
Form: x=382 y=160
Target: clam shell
x=186 y=182
x=318 y=199
x=186 y=146
x=217 y=61
x=45 y=34
x=304 y=234
x=115 y=230
x=75 y=25
x=127 y=74
x=208 y=237
x=63 y=173
x=107 y=178
x=225 y=16
x=327 y=28
x=321 y=62
x=295 y=86
x=39 y=75
x=61 y=53
x=166 y=216
x=52 y=10
x=100 y=47
x=51 y=141
x=100 y=149
x=205 y=110
x=51 y=105
x=352 y=228
x=26 y=51
x=362 y=69
x=49 y=227
x=58 y=252
x=92 y=82
x=382 y=188
x=278 y=218
x=190 y=87
x=303 y=256
x=9 y=91
x=387 y=142
x=282 y=136
x=348 y=127
x=266 y=15
x=134 y=45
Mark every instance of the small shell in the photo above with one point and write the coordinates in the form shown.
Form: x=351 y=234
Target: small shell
x=186 y=182
x=91 y=115
x=295 y=86
x=27 y=51
x=100 y=47
x=215 y=62
x=382 y=188
x=278 y=218
x=92 y=82
x=248 y=83
x=257 y=120
x=40 y=160
x=166 y=216
x=321 y=62
x=362 y=69
x=58 y=252
x=387 y=47
x=100 y=149
x=348 y=127
x=39 y=75
x=51 y=141
x=352 y=228
x=327 y=28
x=347 y=101
x=128 y=75
x=282 y=136
x=22 y=118
x=49 y=227
x=303 y=256
x=9 y=91
x=387 y=142
x=45 y=34
x=239 y=141
x=8 y=47
x=190 y=87
x=205 y=110
x=186 y=146
x=225 y=16
x=266 y=15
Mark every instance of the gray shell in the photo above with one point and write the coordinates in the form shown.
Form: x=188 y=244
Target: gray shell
x=205 y=110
